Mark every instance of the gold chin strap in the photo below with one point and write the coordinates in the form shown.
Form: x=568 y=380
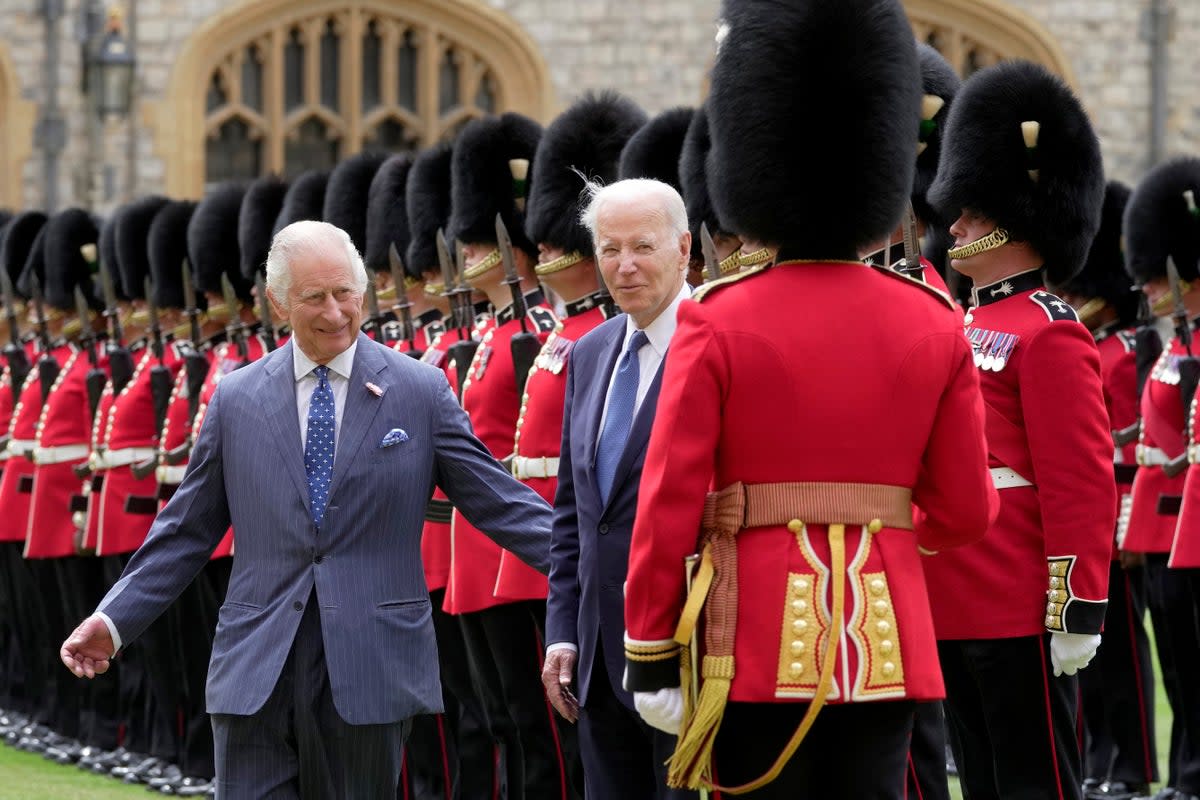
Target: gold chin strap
x=72 y=328
x=435 y=289
x=559 y=264
x=761 y=256
x=997 y=238
x=491 y=260
x=220 y=313
x=139 y=317
x=731 y=263
x=1163 y=305
x=386 y=294
x=1090 y=309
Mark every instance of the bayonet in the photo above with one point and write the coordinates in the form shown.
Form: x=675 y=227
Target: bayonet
x=912 y=246
x=95 y=378
x=1182 y=327
x=712 y=264
x=14 y=351
x=189 y=302
x=525 y=345
x=160 y=374
x=451 y=284
x=112 y=312
x=156 y=337
x=234 y=329
x=403 y=306
x=270 y=336
x=48 y=367
x=373 y=315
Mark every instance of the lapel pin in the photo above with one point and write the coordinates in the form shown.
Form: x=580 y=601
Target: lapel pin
x=375 y=390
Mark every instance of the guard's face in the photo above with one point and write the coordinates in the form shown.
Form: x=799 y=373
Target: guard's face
x=642 y=261
x=323 y=306
x=972 y=226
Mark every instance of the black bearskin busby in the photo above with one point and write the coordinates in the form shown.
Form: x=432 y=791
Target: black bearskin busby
x=813 y=149
x=653 y=151
x=693 y=181
x=66 y=268
x=387 y=215
x=1163 y=219
x=132 y=228
x=490 y=173
x=346 y=195
x=20 y=234
x=108 y=252
x=427 y=201
x=256 y=222
x=1019 y=149
x=305 y=199
x=585 y=140
x=939 y=84
x=1103 y=275
x=167 y=246
x=212 y=241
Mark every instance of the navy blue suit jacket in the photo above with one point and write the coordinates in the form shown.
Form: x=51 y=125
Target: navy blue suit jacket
x=589 y=545
x=364 y=562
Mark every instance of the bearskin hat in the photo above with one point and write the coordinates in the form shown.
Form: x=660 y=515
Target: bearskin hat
x=346 y=195
x=1162 y=220
x=1103 y=274
x=813 y=149
x=387 y=215
x=167 y=246
x=256 y=222
x=939 y=83
x=427 y=201
x=693 y=181
x=66 y=268
x=19 y=236
x=586 y=139
x=212 y=240
x=653 y=151
x=108 y=252
x=490 y=174
x=131 y=230
x=305 y=199
x=1020 y=150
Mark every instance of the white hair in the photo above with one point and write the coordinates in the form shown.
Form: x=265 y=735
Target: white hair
x=305 y=236
x=633 y=190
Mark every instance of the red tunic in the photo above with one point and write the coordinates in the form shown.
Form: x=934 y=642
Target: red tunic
x=1118 y=371
x=760 y=390
x=538 y=437
x=435 y=536
x=490 y=399
x=1046 y=421
x=1185 y=547
x=1161 y=439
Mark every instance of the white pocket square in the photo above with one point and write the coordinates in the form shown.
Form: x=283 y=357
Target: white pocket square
x=394 y=436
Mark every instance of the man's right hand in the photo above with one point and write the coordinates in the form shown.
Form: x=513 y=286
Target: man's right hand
x=557 y=673
x=87 y=650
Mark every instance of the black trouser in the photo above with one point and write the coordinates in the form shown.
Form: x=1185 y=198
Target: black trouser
x=858 y=750
x=925 y=778
x=1169 y=597
x=505 y=652
x=473 y=761
x=195 y=619
x=61 y=712
x=1011 y=722
x=128 y=674
x=23 y=615
x=1117 y=689
x=82 y=587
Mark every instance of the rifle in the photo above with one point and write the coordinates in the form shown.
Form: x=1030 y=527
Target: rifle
x=1183 y=328
x=14 y=353
x=96 y=379
x=160 y=375
x=1189 y=380
x=525 y=345
x=712 y=264
x=120 y=361
x=270 y=336
x=373 y=326
x=47 y=366
x=235 y=329
x=463 y=351
x=403 y=305
x=194 y=363
x=912 y=247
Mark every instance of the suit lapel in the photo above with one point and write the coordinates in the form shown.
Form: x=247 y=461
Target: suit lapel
x=283 y=417
x=639 y=433
x=608 y=362
x=361 y=407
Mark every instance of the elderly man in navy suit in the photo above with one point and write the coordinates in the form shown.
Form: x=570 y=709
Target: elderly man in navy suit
x=323 y=455
x=640 y=231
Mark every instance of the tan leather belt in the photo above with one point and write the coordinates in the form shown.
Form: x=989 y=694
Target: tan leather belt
x=755 y=505
x=542 y=467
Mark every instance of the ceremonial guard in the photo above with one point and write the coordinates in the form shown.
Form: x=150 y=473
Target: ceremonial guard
x=693 y=185
x=427 y=202
x=387 y=240
x=1018 y=614
x=1117 y=688
x=489 y=184
x=817 y=640
x=1162 y=247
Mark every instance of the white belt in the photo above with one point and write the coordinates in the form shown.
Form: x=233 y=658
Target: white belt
x=544 y=467
x=1005 y=478
x=60 y=454
x=21 y=447
x=1151 y=456
x=170 y=475
x=124 y=457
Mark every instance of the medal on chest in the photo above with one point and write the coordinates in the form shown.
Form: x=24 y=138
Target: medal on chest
x=1167 y=369
x=481 y=361
x=554 y=355
x=992 y=349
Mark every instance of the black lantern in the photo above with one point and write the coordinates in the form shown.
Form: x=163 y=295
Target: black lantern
x=110 y=69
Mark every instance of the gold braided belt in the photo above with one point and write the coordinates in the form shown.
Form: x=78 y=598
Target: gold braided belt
x=714 y=589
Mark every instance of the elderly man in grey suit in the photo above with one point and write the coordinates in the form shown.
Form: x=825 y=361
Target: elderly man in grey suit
x=323 y=455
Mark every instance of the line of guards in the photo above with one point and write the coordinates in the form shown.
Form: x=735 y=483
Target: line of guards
x=120 y=330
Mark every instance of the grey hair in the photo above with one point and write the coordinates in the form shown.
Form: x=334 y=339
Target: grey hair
x=631 y=190
x=305 y=236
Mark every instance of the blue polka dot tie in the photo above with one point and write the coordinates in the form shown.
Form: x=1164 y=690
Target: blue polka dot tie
x=619 y=419
x=318 y=445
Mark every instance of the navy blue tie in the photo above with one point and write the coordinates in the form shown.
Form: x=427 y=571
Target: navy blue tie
x=318 y=445
x=619 y=419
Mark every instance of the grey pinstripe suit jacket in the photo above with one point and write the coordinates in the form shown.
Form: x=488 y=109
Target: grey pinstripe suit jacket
x=247 y=467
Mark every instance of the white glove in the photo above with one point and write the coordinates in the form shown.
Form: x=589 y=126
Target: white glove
x=662 y=709
x=1071 y=652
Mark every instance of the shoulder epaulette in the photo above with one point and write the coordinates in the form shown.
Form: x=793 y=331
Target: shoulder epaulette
x=1055 y=307
x=543 y=318
x=900 y=276
x=700 y=292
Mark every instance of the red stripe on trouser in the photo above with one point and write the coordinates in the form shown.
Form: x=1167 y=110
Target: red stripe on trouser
x=441 y=726
x=558 y=752
x=1049 y=716
x=1147 y=762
